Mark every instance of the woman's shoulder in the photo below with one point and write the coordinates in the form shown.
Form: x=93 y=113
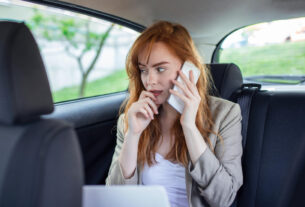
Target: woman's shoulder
x=120 y=123
x=221 y=108
x=217 y=102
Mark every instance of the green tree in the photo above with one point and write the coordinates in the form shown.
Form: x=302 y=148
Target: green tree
x=77 y=35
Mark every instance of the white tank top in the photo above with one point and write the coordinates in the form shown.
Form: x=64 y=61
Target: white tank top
x=169 y=175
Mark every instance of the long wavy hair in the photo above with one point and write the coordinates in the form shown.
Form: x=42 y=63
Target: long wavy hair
x=179 y=41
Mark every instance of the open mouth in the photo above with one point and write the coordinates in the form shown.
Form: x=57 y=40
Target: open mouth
x=156 y=93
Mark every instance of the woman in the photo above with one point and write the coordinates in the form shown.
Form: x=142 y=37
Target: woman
x=195 y=155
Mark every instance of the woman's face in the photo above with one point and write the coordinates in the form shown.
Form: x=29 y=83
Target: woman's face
x=159 y=70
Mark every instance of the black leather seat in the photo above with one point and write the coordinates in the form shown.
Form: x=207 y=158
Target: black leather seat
x=227 y=80
x=273 y=159
x=293 y=189
x=40 y=162
x=274 y=152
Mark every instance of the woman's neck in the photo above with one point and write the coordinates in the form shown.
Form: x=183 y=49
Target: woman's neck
x=168 y=116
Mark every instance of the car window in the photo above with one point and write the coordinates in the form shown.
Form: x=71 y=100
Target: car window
x=271 y=53
x=84 y=56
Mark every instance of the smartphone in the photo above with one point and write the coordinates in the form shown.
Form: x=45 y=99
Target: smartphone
x=173 y=100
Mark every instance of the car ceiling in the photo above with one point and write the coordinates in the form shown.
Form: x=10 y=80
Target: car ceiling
x=207 y=20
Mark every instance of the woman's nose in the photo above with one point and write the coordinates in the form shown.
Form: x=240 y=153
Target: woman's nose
x=151 y=78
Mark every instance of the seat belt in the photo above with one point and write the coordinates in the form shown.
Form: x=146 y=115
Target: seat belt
x=244 y=100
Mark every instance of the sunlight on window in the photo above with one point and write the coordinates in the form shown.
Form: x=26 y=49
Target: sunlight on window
x=271 y=53
x=267 y=33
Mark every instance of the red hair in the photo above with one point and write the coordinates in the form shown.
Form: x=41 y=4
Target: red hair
x=179 y=41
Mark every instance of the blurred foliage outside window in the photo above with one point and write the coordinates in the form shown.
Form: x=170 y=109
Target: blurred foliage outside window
x=268 y=53
x=84 y=56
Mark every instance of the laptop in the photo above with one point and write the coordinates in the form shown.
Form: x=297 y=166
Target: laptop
x=125 y=196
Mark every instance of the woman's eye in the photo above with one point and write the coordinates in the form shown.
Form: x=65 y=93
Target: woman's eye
x=142 y=70
x=160 y=69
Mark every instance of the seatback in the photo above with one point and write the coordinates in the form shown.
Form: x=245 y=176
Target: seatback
x=292 y=193
x=40 y=162
x=274 y=142
x=273 y=158
x=227 y=80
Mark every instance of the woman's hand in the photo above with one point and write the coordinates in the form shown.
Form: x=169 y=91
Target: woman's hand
x=191 y=99
x=141 y=113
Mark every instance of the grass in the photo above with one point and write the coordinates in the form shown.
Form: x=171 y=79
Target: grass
x=114 y=82
x=277 y=59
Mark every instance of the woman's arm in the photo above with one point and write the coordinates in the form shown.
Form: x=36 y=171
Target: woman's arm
x=116 y=173
x=124 y=161
x=219 y=175
x=129 y=154
x=194 y=142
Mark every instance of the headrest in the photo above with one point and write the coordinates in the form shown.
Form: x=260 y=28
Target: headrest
x=227 y=79
x=24 y=88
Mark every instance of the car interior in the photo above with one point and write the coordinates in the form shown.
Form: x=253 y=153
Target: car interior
x=50 y=151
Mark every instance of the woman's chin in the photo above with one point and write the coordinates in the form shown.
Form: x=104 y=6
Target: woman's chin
x=160 y=101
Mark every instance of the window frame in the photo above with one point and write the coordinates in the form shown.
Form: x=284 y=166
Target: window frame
x=90 y=12
x=215 y=55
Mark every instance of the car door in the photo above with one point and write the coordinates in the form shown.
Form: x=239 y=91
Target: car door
x=95 y=123
x=84 y=55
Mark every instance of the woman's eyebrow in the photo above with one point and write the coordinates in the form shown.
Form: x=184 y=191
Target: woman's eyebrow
x=154 y=65
x=141 y=64
x=160 y=63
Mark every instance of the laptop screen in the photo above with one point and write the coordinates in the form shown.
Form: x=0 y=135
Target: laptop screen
x=124 y=196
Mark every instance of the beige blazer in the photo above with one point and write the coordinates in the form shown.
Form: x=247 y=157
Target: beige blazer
x=215 y=178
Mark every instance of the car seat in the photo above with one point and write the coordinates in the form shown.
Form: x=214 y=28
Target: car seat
x=40 y=162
